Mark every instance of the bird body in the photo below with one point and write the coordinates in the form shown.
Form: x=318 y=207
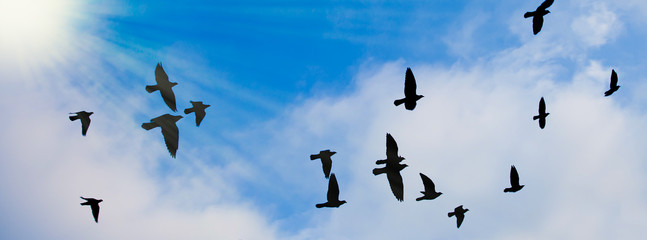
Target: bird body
x=459 y=212
x=538 y=15
x=392 y=168
x=430 y=189
x=613 y=85
x=94 y=205
x=198 y=108
x=169 y=128
x=410 y=95
x=333 y=194
x=542 y=114
x=326 y=161
x=85 y=120
x=514 y=181
x=164 y=86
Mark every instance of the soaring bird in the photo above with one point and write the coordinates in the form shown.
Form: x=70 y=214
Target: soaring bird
x=392 y=168
x=333 y=194
x=85 y=120
x=169 y=130
x=542 y=113
x=164 y=86
x=410 y=96
x=94 y=205
x=514 y=181
x=538 y=15
x=613 y=85
x=198 y=108
x=459 y=212
x=326 y=162
x=430 y=189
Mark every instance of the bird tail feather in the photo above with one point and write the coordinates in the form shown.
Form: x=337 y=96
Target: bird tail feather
x=188 y=110
x=378 y=171
x=528 y=14
x=72 y=118
x=451 y=214
x=151 y=88
x=148 y=126
x=419 y=199
x=535 y=117
x=314 y=156
x=320 y=205
x=398 y=102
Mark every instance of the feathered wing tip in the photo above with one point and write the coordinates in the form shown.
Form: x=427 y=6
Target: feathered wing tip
x=188 y=110
x=528 y=14
x=151 y=88
x=398 y=102
x=148 y=126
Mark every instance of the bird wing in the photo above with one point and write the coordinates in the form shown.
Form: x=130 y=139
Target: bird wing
x=537 y=23
x=459 y=219
x=326 y=164
x=542 y=106
x=430 y=187
x=169 y=98
x=391 y=148
x=95 y=211
x=614 y=79
x=85 y=124
x=410 y=84
x=170 y=133
x=199 y=115
x=160 y=75
x=545 y=4
x=333 y=189
x=514 y=177
x=395 y=181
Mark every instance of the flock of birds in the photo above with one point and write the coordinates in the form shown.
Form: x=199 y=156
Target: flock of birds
x=391 y=165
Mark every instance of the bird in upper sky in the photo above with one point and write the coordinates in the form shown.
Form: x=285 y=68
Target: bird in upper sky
x=333 y=194
x=94 y=205
x=430 y=189
x=538 y=16
x=392 y=168
x=459 y=212
x=613 y=85
x=198 y=108
x=542 y=114
x=85 y=120
x=514 y=181
x=164 y=86
x=326 y=162
x=169 y=130
x=410 y=96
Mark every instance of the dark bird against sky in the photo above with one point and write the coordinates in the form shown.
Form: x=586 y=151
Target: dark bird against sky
x=410 y=95
x=459 y=212
x=164 y=86
x=542 y=113
x=326 y=162
x=613 y=85
x=169 y=130
x=392 y=168
x=514 y=181
x=538 y=16
x=85 y=120
x=333 y=194
x=430 y=189
x=198 y=108
x=94 y=205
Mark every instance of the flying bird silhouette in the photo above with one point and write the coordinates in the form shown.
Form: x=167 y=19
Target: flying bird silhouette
x=164 y=86
x=514 y=181
x=169 y=130
x=459 y=212
x=430 y=189
x=392 y=168
x=542 y=114
x=85 y=120
x=326 y=162
x=613 y=85
x=538 y=16
x=94 y=205
x=333 y=194
x=410 y=96
x=198 y=108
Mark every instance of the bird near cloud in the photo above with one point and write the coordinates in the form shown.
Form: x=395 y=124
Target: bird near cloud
x=94 y=205
x=332 y=195
x=538 y=16
x=164 y=86
x=410 y=96
x=198 y=109
x=514 y=181
x=170 y=132
x=85 y=120
x=430 y=189
x=392 y=168
x=326 y=161
x=542 y=114
x=613 y=84
x=459 y=212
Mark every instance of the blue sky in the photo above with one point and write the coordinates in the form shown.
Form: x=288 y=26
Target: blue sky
x=286 y=79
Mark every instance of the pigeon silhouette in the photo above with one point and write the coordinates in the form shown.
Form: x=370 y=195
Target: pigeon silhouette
x=94 y=205
x=459 y=212
x=514 y=181
x=333 y=194
x=169 y=130
x=164 y=86
x=392 y=168
x=198 y=108
x=410 y=96
x=538 y=16
x=430 y=189
x=542 y=114
x=326 y=162
x=613 y=85
x=85 y=120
